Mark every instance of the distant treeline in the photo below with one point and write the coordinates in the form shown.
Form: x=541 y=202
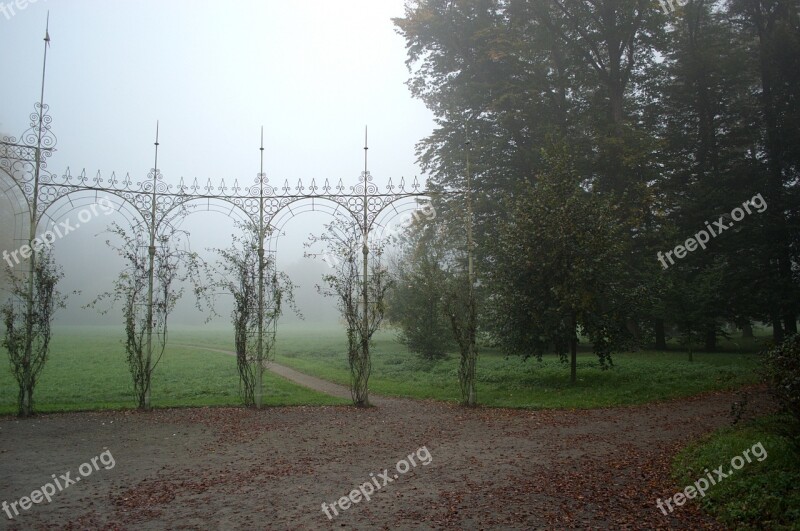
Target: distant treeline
x=634 y=170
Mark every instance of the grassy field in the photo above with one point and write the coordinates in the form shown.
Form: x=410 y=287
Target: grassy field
x=763 y=494
x=511 y=382
x=87 y=370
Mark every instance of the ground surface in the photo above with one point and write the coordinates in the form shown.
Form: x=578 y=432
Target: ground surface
x=228 y=468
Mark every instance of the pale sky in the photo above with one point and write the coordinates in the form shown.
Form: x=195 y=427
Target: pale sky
x=312 y=73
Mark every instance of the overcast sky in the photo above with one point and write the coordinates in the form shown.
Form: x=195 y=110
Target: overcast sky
x=312 y=73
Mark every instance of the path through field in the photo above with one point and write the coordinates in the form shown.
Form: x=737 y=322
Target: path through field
x=306 y=380
x=228 y=468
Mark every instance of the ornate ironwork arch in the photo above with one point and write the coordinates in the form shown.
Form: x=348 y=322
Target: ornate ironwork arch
x=152 y=201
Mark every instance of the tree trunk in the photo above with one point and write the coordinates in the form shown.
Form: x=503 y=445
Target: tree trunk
x=26 y=402
x=632 y=324
x=747 y=331
x=661 y=336
x=777 y=328
x=573 y=350
x=365 y=370
x=711 y=340
x=776 y=195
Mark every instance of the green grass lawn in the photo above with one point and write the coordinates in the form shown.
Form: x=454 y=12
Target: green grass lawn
x=511 y=382
x=762 y=495
x=87 y=370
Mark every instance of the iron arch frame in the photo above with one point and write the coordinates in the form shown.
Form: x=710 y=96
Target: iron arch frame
x=47 y=197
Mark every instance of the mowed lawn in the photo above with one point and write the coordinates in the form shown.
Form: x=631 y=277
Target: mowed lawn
x=635 y=378
x=87 y=370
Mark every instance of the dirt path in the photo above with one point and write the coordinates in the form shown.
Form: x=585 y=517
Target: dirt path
x=305 y=380
x=229 y=468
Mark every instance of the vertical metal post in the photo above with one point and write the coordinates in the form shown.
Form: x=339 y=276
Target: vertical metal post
x=151 y=275
x=27 y=400
x=260 y=349
x=365 y=250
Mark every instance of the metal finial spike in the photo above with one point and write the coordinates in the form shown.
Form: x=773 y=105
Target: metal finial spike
x=262 y=138
x=156 y=133
x=366 y=148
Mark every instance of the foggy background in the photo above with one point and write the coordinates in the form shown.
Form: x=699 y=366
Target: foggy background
x=212 y=73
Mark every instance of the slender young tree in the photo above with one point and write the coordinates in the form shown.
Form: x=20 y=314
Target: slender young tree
x=343 y=240
x=174 y=263
x=28 y=316
x=417 y=299
x=238 y=274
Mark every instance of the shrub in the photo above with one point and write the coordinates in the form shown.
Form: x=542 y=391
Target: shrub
x=782 y=368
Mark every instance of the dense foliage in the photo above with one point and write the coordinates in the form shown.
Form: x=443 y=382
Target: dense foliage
x=763 y=494
x=782 y=365
x=609 y=140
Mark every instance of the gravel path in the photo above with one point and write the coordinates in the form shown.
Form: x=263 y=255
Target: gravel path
x=233 y=468
x=305 y=380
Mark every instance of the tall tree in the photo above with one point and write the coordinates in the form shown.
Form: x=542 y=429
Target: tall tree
x=776 y=26
x=417 y=301
x=561 y=269
x=705 y=85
